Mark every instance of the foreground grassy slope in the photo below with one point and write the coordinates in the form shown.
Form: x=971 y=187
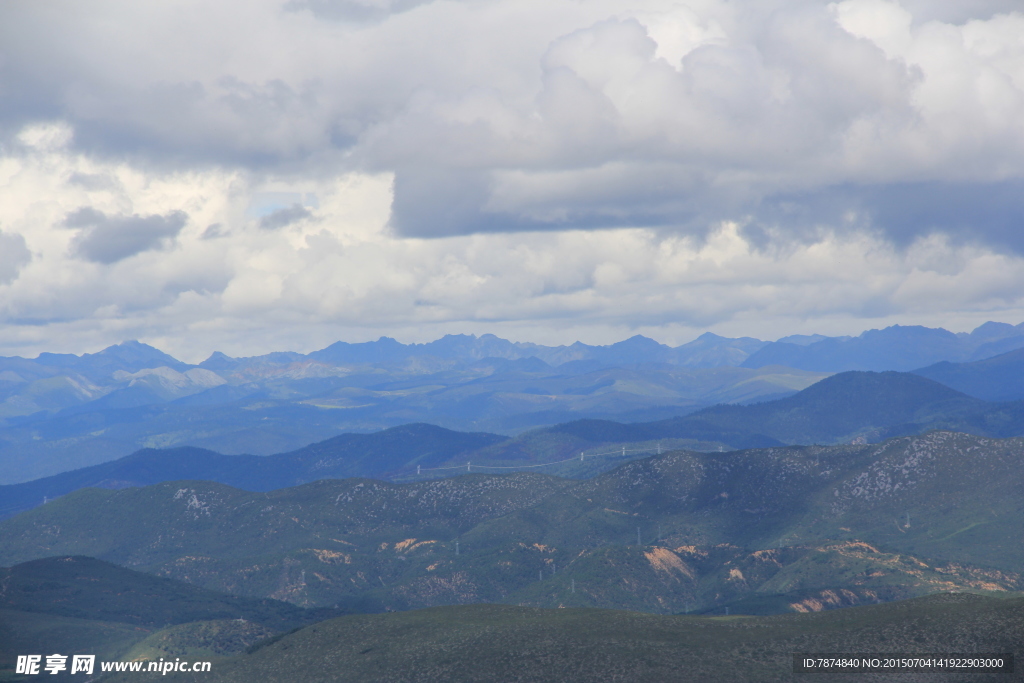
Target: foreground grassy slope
x=85 y=605
x=505 y=643
x=87 y=588
x=36 y=633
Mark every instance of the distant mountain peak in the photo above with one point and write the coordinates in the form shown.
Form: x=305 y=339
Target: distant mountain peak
x=127 y=343
x=992 y=329
x=639 y=341
x=131 y=349
x=128 y=356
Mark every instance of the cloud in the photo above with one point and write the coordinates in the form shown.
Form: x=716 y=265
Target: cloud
x=13 y=256
x=213 y=231
x=284 y=217
x=543 y=167
x=109 y=239
x=553 y=115
x=349 y=275
x=987 y=213
x=354 y=10
x=958 y=11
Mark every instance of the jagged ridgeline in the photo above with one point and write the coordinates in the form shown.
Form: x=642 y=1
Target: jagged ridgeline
x=758 y=531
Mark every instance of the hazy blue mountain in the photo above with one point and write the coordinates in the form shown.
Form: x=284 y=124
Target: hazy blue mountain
x=712 y=351
x=901 y=348
x=129 y=356
x=384 y=350
x=995 y=348
x=991 y=339
x=709 y=350
x=852 y=406
x=363 y=455
x=137 y=374
x=805 y=339
x=1000 y=378
x=60 y=412
x=41 y=445
x=292 y=405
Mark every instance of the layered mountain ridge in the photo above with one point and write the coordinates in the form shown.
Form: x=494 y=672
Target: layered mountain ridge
x=857 y=407
x=61 y=411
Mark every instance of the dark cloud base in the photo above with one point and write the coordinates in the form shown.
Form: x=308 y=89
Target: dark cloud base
x=109 y=239
x=986 y=213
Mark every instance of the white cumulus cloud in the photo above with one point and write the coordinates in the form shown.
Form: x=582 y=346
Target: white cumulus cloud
x=268 y=174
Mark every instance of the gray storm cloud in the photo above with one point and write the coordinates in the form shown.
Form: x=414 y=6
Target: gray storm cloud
x=109 y=239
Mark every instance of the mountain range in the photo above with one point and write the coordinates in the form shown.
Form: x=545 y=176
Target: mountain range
x=279 y=412
x=853 y=407
x=62 y=411
x=848 y=407
x=725 y=476
x=763 y=530
x=899 y=347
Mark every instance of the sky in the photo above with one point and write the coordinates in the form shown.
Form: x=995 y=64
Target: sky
x=282 y=174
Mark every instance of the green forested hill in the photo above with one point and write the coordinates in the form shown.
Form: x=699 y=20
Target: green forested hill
x=780 y=528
